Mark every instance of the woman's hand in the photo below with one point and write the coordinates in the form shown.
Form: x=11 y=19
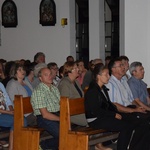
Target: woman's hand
x=118 y=116
x=6 y=112
x=11 y=112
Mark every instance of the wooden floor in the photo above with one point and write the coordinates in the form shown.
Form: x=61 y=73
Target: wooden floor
x=113 y=145
x=92 y=148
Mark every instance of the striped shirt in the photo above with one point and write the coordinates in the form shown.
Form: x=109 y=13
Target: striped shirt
x=119 y=91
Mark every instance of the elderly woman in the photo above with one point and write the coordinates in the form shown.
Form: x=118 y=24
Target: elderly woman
x=71 y=88
x=101 y=113
x=17 y=86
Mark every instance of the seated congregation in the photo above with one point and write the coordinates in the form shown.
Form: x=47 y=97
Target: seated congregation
x=114 y=105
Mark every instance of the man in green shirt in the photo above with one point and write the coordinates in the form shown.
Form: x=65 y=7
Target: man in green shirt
x=45 y=102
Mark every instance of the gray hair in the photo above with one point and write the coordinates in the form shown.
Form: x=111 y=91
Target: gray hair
x=133 y=66
x=40 y=71
x=96 y=61
x=38 y=67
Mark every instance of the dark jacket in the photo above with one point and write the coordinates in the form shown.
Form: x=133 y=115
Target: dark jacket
x=97 y=104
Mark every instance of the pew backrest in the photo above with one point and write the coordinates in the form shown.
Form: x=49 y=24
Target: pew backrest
x=81 y=137
x=25 y=138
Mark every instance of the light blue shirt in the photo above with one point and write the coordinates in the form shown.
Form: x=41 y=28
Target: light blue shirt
x=139 y=89
x=119 y=91
x=4 y=95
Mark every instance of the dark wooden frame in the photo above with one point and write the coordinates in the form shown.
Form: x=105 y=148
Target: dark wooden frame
x=47 y=13
x=9 y=14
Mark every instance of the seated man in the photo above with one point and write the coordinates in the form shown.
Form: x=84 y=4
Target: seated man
x=119 y=91
x=39 y=58
x=45 y=102
x=137 y=86
x=125 y=62
x=69 y=59
x=54 y=70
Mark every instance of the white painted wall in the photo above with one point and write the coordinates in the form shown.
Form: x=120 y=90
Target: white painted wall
x=135 y=33
x=96 y=29
x=108 y=14
x=57 y=42
x=29 y=37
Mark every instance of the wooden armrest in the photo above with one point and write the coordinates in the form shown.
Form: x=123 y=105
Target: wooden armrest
x=32 y=129
x=87 y=131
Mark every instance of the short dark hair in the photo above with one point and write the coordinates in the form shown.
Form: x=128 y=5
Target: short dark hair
x=51 y=64
x=124 y=58
x=29 y=68
x=8 y=67
x=112 y=63
x=108 y=57
x=68 y=57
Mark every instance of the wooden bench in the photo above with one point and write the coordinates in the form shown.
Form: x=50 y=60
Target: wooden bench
x=81 y=138
x=25 y=138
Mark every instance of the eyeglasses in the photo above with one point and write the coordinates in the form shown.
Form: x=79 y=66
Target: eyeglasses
x=121 y=65
x=75 y=69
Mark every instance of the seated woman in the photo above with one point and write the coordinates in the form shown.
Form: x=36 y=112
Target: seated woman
x=82 y=71
x=6 y=114
x=101 y=113
x=17 y=86
x=70 y=87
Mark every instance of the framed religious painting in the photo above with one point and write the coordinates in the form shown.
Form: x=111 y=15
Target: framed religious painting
x=9 y=14
x=47 y=13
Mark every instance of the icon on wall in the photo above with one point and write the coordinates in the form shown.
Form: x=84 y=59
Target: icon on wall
x=47 y=13
x=9 y=14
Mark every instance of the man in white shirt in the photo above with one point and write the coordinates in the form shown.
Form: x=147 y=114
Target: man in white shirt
x=119 y=91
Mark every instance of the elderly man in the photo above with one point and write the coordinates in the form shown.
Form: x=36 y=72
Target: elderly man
x=45 y=102
x=39 y=58
x=137 y=86
x=54 y=70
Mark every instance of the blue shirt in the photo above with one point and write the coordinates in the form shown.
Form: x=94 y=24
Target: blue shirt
x=139 y=89
x=28 y=90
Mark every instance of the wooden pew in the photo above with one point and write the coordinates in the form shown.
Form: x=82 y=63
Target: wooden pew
x=4 y=132
x=80 y=138
x=25 y=138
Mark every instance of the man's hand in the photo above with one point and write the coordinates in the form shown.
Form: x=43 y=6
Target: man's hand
x=140 y=109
